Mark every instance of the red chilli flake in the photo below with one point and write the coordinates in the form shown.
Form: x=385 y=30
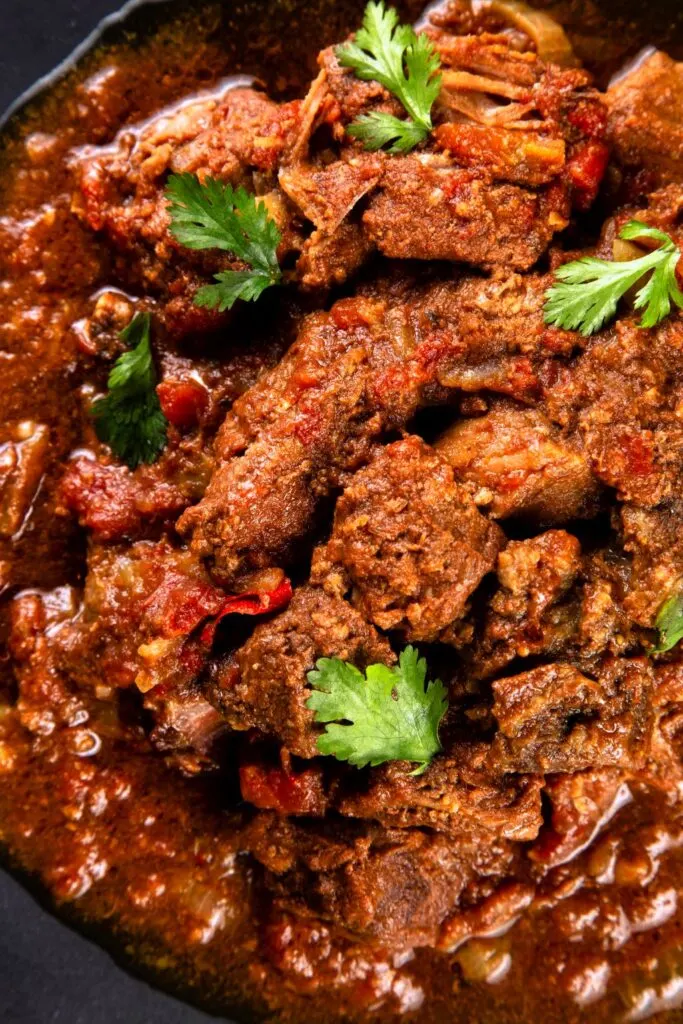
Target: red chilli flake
x=257 y=603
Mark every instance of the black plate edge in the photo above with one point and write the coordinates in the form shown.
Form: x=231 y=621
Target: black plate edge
x=47 y=81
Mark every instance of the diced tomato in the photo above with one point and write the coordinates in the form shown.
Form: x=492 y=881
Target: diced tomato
x=349 y=313
x=182 y=401
x=179 y=604
x=586 y=169
x=590 y=118
x=287 y=792
x=638 y=453
x=308 y=422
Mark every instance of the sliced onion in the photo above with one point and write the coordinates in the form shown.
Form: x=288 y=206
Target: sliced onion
x=552 y=44
x=482 y=83
x=623 y=251
x=480 y=107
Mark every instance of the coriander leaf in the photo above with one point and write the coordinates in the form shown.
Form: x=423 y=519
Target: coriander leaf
x=129 y=419
x=230 y=286
x=212 y=215
x=404 y=63
x=589 y=289
x=390 y=714
x=377 y=130
x=669 y=622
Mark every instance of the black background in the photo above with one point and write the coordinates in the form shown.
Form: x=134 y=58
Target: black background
x=35 y=35
x=48 y=974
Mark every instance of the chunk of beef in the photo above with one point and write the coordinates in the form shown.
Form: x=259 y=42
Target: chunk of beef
x=623 y=396
x=374 y=882
x=408 y=542
x=264 y=686
x=604 y=621
x=238 y=136
x=481 y=192
x=354 y=374
x=309 y=420
x=646 y=121
x=534 y=612
x=457 y=795
x=654 y=539
x=517 y=464
x=555 y=719
x=428 y=207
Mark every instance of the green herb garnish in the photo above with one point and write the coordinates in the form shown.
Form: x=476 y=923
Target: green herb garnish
x=390 y=714
x=129 y=419
x=669 y=622
x=403 y=62
x=211 y=215
x=589 y=288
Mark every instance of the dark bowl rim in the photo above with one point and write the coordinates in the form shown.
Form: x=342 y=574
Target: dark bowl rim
x=51 y=78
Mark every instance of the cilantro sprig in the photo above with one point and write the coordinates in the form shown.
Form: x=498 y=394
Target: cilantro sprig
x=589 y=289
x=389 y=714
x=129 y=418
x=669 y=622
x=403 y=62
x=212 y=215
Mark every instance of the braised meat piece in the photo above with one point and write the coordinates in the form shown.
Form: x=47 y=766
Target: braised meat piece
x=354 y=374
x=654 y=540
x=646 y=122
x=408 y=543
x=534 y=612
x=264 y=685
x=378 y=882
x=517 y=141
x=457 y=795
x=517 y=464
x=237 y=136
x=429 y=207
x=308 y=421
x=622 y=396
x=555 y=719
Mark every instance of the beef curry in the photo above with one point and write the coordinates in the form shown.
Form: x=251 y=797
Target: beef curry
x=341 y=578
